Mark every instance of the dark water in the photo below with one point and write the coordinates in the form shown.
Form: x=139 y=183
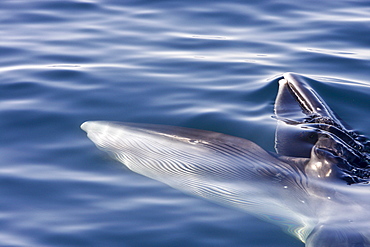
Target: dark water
x=208 y=65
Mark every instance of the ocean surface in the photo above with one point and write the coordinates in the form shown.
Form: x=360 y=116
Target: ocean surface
x=209 y=65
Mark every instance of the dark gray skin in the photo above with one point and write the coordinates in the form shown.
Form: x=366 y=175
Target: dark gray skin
x=323 y=137
x=315 y=182
x=314 y=126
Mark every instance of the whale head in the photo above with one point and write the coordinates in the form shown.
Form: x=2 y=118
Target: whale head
x=314 y=187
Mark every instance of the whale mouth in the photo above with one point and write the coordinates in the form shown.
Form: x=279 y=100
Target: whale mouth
x=307 y=127
x=308 y=101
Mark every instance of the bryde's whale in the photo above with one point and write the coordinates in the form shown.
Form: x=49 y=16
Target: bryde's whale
x=314 y=187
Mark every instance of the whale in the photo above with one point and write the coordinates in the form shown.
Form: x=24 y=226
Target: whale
x=315 y=186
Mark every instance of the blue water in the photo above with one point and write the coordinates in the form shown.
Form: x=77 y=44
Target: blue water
x=202 y=64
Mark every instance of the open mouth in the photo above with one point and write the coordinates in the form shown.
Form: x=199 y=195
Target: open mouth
x=308 y=122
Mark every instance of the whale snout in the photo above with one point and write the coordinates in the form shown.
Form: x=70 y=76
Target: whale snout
x=84 y=126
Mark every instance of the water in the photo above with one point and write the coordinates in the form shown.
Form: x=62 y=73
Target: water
x=207 y=65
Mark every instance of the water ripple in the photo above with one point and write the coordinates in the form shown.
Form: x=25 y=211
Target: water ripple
x=207 y=65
